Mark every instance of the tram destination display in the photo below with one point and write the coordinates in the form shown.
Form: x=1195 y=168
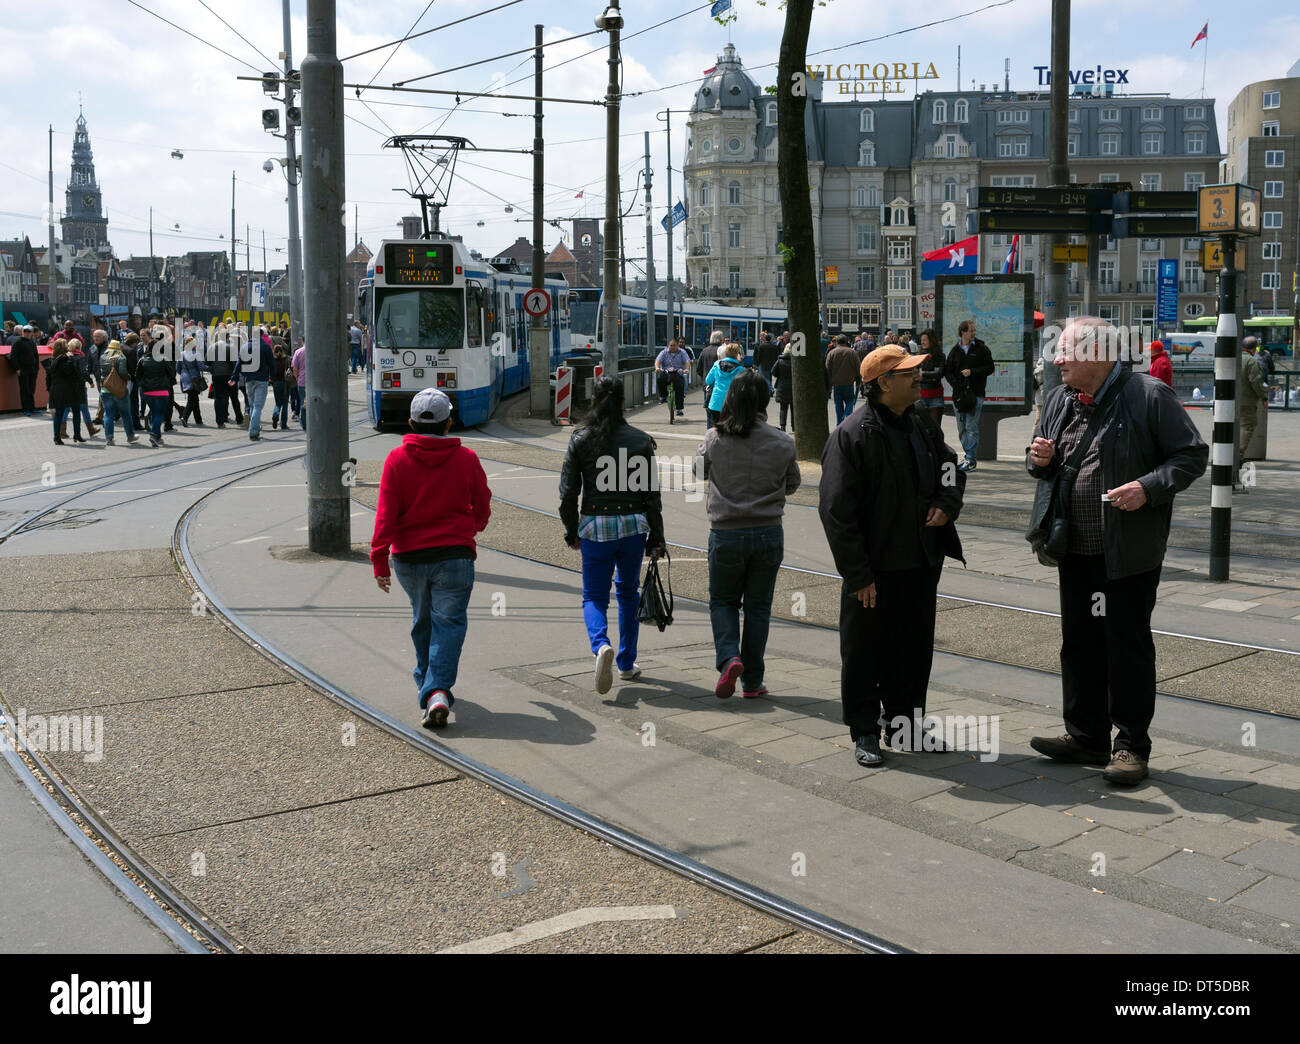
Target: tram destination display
x=418 y=264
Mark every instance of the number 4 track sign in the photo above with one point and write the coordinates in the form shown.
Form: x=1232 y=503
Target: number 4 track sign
x=537 y=302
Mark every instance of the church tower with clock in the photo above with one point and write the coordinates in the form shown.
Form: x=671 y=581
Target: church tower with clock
x=84 y=223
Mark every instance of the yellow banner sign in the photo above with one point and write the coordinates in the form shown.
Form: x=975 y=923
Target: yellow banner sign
x=832 y=274
x=1068 y=253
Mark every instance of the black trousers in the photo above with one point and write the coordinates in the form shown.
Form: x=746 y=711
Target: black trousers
x=27 y=390
x=1108 y=657
x=191 y=407
x=224 y=399
x=886 y=652
x=679 y=387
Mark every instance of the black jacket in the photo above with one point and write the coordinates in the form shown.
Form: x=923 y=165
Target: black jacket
x=23 y=355
x=783 y=376
x=152 y=374
x=932 y=370
x=1146 y=435
x=859 y=505
x=708 y=356
x=64 y=381
x=766 y=354
x=979 y=361
x=587 y=474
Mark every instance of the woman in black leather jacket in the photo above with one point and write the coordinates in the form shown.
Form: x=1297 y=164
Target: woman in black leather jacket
x=610 y=470
x=932 y=377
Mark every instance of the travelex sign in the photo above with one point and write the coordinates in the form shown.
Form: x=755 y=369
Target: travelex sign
x=1086 y=76
x=873 y=78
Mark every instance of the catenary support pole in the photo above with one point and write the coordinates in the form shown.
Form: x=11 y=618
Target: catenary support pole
x=611 y=294
x=650 y=295
x=1055 y=303
x=294 y=177
x=49 y=254
x=324 y=244
x=669 y=315
x=234 y=265
x=1225 y=417
x=539 y=348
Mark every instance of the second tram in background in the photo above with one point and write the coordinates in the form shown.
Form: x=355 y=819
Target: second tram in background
x=438 y=317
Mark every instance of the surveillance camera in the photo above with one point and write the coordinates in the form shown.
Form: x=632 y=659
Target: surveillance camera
x=268 y=166
x=271 y=119
x=610 y=20
x=270 y=82
x=293 y=115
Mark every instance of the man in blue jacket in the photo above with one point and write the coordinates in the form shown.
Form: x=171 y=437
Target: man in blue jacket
x=257 y=372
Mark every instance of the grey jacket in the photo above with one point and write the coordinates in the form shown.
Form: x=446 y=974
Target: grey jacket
x=1146 y=436
x=749 y=478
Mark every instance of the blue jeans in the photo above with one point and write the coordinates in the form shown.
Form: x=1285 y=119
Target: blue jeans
x=114 y=407
x=439 y=594
x=845 y=396
x=157 y=411
x=968 y=430
x=355 y=357
x=767 y=375
x=599 y=560
x=256 y=400
x=295 y=397
x=281 y=412
x=743 y=565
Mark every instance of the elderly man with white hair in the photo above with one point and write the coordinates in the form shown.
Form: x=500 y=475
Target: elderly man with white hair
x=1111 y=450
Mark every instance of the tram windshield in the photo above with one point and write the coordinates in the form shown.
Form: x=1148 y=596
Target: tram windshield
x=432 y=318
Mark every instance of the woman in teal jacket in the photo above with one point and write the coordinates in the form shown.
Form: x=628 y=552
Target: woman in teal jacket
x=719 y=380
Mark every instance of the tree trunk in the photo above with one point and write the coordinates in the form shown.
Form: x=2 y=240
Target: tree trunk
x=797 y=233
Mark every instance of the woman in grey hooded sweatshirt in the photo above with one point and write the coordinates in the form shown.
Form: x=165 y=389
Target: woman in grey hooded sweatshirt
x=751 y=468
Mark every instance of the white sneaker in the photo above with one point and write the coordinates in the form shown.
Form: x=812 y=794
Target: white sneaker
x=631 y=675
x=604 y=669
x=435 y=711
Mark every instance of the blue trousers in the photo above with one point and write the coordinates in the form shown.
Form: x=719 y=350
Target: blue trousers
x=439 y=594
x=158 y=407
x=256 y=400
x=743 y=565
x=600 y=559
x=845 y=397
x=968 y=431
x=281 y=411
x=115 y=408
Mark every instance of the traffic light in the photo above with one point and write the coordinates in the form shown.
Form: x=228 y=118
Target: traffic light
x=270 y=119
x=270 y=82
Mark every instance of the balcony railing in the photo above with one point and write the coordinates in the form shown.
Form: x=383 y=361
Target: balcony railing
x=940 y=151
x=1193 y=286
x=1108 y=286
x=1146 y=286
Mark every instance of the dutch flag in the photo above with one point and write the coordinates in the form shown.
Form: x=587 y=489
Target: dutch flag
x=1013 y=256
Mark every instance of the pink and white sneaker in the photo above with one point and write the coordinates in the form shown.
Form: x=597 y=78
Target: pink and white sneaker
x=435 y=711
x=731 y=671
x=753 y=694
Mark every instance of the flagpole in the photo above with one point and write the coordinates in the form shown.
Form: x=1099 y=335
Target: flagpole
x=1205 y=60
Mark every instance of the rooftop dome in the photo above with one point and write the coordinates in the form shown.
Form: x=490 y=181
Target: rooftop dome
x=727 y=86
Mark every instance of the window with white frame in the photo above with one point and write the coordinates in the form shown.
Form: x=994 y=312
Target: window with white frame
x=960 y=111
x=1272 y=219
x=949 y=190
x=867 y=120
x=705 y=232
x=1192 y=274
x=1110 y=313
x=1191 y=244
x=1270 y=280
x=771 y=114
x=1074 y=115
x=866 y=239
x=1106 y=179
x=900 y=251
x=1109 y=115
x=1148 y=276
x=1152 y=143
x=780 y=277
x=1072 y=145
x=1272 y=100
x=900 y=280
x=1109 y=144
x=950 y=146
x=733 y=235
x=866 y=279
x=1151 y=114
x=1272 y=251
x=706 y=194
x=1150 y=245
x=1275 y=158
x=900 y=309
x=1193 y=309
x=867 y=154
x=1272 y=190
x=1271 y=129
x=873 y=197
x=733 y=278
x=1193 y=180
x=1149 y=183
x=1194 y=112
x=733 y=193
x=900 y=216
x=1195 y=142
x=940 y=111
x=1107 y=243
x=949 y=236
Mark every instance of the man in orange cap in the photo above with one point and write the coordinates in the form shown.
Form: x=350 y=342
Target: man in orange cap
x=890 y=492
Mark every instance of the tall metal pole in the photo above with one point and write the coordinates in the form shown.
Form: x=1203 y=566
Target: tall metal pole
x=296 y=310
x=49 y=254
x=234 y=301
x=1055 y=308
x=325 y=243
x=668 y=291
x=1222 y=454
x=539 y=349
x=610 y=283
x=650 y=323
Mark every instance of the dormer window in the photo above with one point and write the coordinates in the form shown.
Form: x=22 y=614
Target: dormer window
x=867 y=121
x=771 y=114
x=940 y=111
x=867 y=154
x=960 y=111
x=900 y=216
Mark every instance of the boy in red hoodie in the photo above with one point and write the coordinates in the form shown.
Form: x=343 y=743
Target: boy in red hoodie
x=433 y=498
x=1161 y=369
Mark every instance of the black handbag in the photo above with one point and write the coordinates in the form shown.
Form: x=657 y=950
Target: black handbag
x=1050 y=539
x=656 y=606
x=963 y=398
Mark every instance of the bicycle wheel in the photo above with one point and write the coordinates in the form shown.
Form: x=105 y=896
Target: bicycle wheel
x=672 y=402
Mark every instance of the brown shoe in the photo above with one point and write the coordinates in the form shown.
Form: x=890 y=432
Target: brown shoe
x=1067 y=748
x=1126 y=768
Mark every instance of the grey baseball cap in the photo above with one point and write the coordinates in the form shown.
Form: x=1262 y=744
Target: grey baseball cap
x=430 y=406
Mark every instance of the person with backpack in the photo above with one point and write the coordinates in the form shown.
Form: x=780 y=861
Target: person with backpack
x=612 y=514
x=114 y=392
x=751 y=468
x=433 y=500
x=718 y=380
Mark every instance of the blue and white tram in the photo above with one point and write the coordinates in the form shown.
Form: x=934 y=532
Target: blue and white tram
x=695 y=320
x=437 y=317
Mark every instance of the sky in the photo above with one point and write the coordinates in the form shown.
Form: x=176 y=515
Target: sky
x=148 y=89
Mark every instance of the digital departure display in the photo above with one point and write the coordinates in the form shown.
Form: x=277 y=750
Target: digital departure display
x=418 y=264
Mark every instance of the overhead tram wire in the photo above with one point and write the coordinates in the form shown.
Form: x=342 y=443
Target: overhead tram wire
x=838 y=47
x=426 y=32
x=206 y=43
x=397 y=46
x=497 y=58
x=246 y=40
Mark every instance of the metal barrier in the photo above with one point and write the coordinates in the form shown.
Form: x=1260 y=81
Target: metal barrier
x=1283 y=393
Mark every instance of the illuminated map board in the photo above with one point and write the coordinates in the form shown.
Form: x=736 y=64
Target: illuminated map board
x=1003 y=309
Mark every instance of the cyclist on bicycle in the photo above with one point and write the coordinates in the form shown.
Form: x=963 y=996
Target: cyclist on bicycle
x=671 y=365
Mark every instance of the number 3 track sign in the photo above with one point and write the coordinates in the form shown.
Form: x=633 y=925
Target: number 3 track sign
x=537 y=302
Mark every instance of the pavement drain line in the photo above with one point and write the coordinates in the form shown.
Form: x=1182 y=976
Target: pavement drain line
x=717 y=881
